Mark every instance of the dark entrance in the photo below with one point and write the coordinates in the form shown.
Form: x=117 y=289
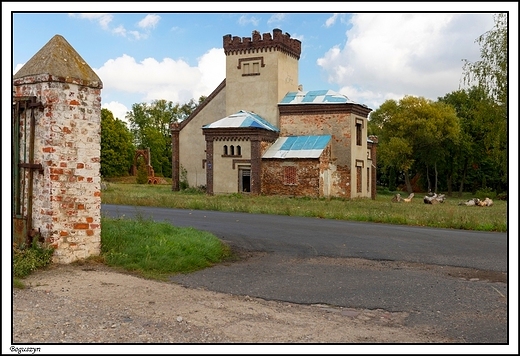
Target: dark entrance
x=244 y=180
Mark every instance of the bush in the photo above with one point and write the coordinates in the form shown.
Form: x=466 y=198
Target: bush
x=142 y=174
x=502 y=196
x=484 y=193
x=183 y=183
x=27 y=260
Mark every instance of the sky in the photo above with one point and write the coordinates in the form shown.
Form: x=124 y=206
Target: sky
x=142 y=56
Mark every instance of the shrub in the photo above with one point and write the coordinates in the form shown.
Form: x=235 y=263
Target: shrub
x=484 y=193
x=502 y=196
x=27 y=260
x=183 y=183
x=142 y=174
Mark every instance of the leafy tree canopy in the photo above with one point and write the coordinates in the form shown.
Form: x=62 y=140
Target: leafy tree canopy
x=117 y=149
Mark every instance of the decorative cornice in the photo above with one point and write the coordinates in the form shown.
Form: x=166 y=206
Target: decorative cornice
x=242 y=134
x=343 y=108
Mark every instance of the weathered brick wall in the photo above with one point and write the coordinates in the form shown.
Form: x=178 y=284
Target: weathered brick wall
x=307 y=177
x=337 y=124
x=67 y=199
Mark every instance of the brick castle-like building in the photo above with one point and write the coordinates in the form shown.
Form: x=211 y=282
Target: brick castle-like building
x=258 y=132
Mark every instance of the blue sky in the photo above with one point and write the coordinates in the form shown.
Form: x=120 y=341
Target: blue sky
x=148 y=55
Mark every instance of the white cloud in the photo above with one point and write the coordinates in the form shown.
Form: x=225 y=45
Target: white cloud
x=103 y=19
x=331 y=20
x=212 y=66
x=138 y=35
x=119 y=30
x=244 y=20
x=404 y=54
x=169 y=79
x=276 y=19
x=150 y=21
x=118 y=110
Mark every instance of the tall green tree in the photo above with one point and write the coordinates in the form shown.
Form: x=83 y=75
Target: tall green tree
x=474 y=159
x=117 y=149
x=490 y=73
x=415 y=132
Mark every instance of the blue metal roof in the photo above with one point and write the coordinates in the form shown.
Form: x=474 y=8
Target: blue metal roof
x=298 y=147
x=315 y=97
x=242 y=119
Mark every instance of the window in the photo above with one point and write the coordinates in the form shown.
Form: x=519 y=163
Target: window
x=251 y=66
x=359 y=178
x=231 y=151
x=359 y=132
x=359 y=173
x=289 y=175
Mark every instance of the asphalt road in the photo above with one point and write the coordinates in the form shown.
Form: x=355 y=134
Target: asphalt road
x=453 y=281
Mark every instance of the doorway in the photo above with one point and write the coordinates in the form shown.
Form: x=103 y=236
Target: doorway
x=244 y=180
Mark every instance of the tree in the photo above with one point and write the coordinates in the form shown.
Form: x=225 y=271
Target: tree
x=474 y=159
x=414 y=132
x=491 y=74
x=117 y=149
x=491 y=71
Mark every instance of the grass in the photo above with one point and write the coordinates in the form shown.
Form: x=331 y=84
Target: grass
x=157 y=250
x=449 y=214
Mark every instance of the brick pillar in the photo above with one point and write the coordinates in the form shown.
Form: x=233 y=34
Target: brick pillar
x=256 y=161
x=209 y=164
x=175 y=129
x=67 y=196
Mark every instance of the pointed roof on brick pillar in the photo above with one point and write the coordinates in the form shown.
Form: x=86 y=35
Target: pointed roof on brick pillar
x=60 y=61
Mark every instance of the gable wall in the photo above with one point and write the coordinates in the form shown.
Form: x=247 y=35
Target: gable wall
x=192 y=143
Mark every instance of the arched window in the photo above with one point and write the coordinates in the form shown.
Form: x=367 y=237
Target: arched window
x=239 y=151
x=225 y=150
x=232 y=153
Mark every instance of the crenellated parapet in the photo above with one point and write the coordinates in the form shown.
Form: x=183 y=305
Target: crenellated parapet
x=278 y=41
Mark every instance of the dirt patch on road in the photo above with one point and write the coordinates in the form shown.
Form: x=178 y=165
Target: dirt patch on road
x=469 y=274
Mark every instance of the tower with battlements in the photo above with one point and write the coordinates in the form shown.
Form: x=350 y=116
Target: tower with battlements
x=260 y=71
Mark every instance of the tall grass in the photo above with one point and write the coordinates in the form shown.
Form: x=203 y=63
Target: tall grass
x=381 y=210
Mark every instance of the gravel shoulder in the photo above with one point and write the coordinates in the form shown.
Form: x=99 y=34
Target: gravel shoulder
x=92 y=303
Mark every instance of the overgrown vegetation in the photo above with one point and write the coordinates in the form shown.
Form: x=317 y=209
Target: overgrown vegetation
x=29 y=259
x=446 y=215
